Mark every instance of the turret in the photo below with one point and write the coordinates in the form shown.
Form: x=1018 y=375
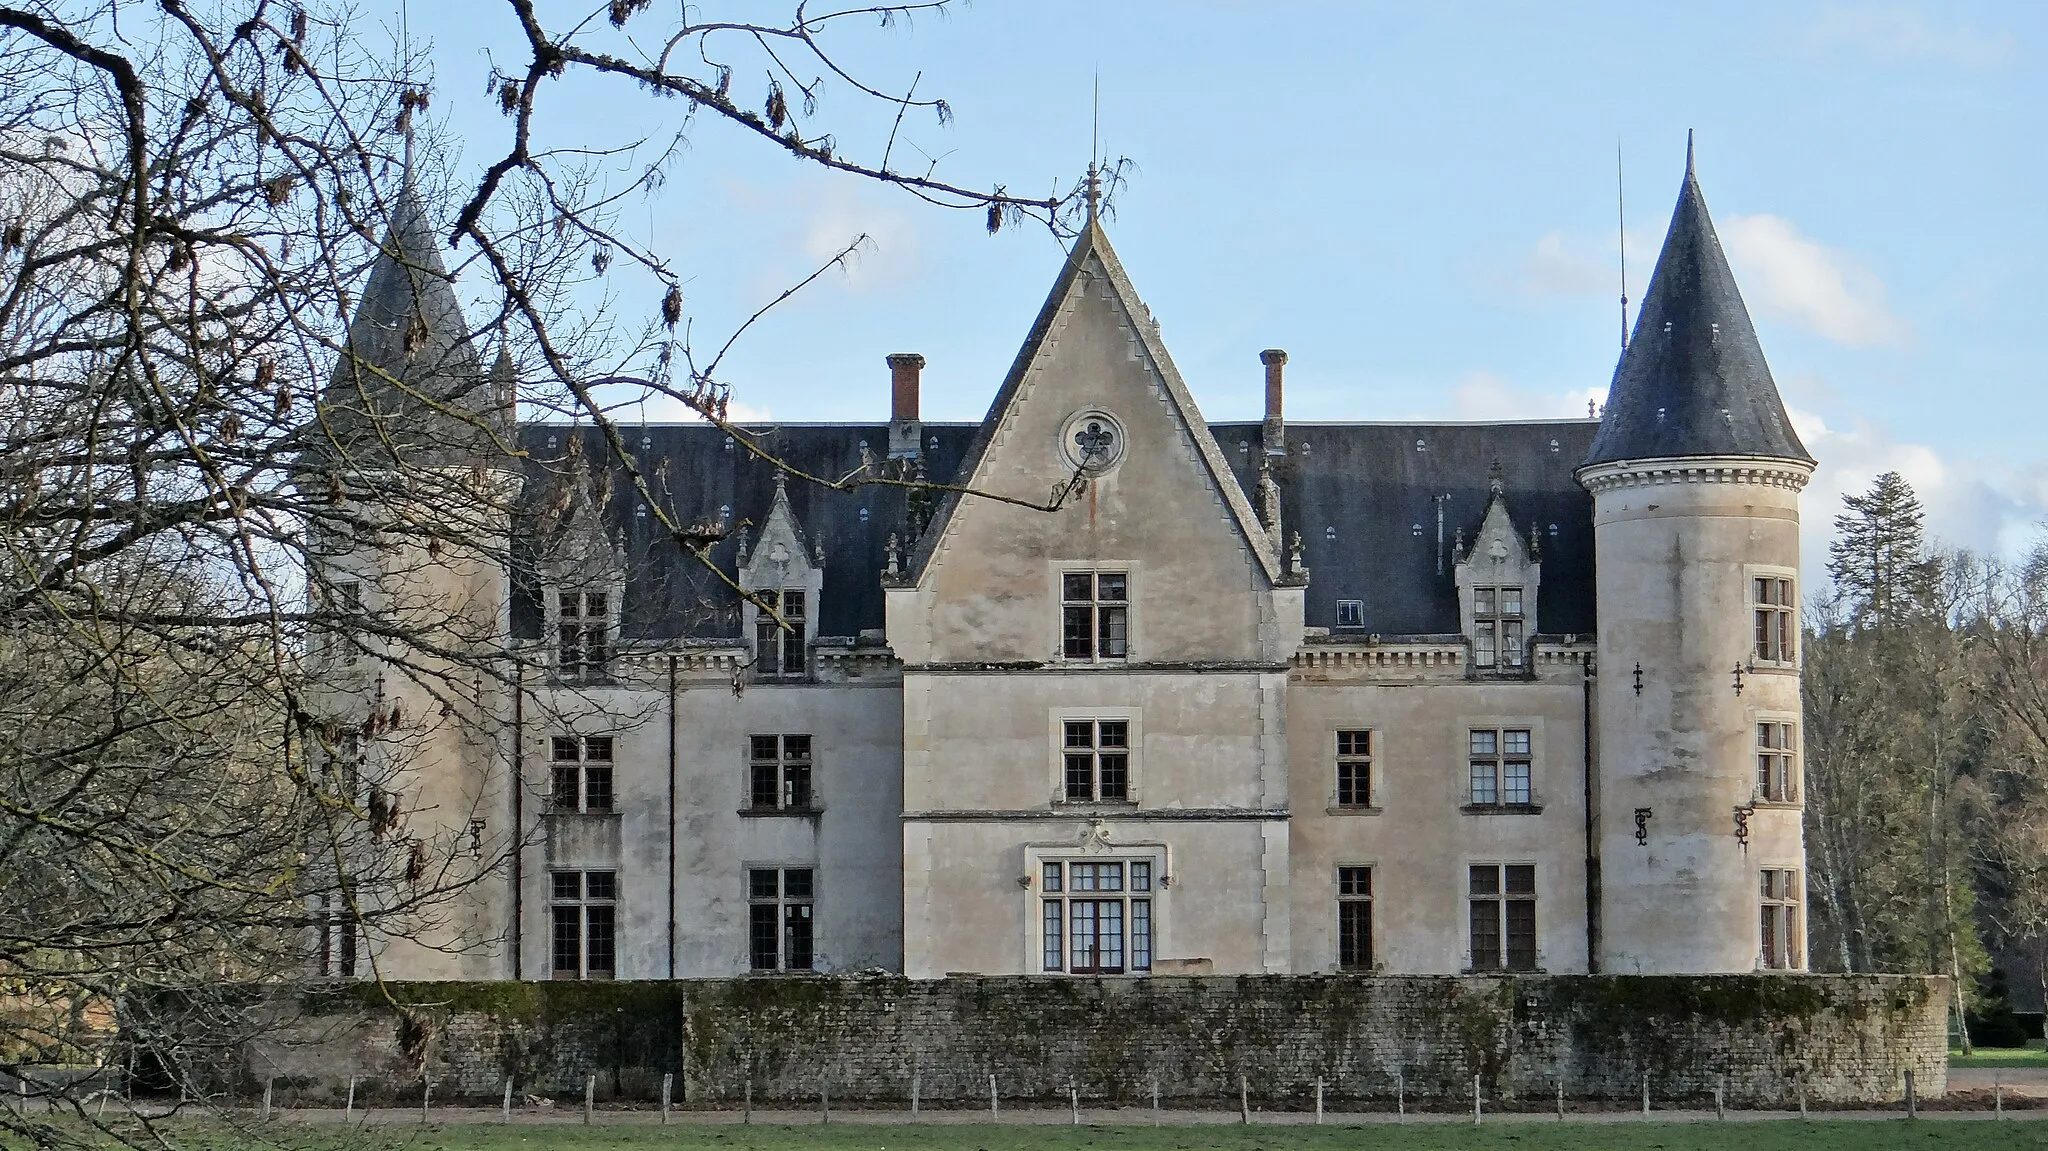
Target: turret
x=1695 y=474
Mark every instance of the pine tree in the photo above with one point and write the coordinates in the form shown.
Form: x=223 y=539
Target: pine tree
x=1879 y=559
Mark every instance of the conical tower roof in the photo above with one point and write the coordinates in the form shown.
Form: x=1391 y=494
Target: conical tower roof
x=1693 y=381
x=409 y=383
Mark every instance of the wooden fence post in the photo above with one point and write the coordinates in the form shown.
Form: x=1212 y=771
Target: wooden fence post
x=668 y=1091
x=589 y=1098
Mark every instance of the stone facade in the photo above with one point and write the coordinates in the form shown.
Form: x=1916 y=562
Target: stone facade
x=1844 y=1038
x=1137 y=694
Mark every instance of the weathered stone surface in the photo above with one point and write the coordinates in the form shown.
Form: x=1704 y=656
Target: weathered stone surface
x=1848 y=1038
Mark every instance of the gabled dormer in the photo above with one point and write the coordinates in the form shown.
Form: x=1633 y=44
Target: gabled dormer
x=581 y=568
x=779 y=573
x=1497 y=580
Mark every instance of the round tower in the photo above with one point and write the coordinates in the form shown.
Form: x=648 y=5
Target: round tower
x=1695 y=475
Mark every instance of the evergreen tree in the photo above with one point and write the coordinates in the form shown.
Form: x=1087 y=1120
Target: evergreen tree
x=1879 y=559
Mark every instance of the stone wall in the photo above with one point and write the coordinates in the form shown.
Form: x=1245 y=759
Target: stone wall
x=1849 y=1038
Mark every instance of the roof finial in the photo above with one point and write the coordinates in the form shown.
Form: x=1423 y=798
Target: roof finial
x=1621 y=226
x=1688 y=153
x=405 y=97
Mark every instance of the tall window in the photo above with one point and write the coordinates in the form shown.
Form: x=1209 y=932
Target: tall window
x=1098 y=759
x=1097 y=916
x=342 y=601
x=1354 y=918
x=1780 y=929
x=1776 y=640
x=1500 y=767
x=584 y=907
x=1354 y=769
x=779 y=651
x=1095 y=614
x=1776 y=773
x=1497 y=618
x=779 y=918
x=583 y=629
x=336 y=919
x=780 y=773
x=1503 y=899
x=582 y=773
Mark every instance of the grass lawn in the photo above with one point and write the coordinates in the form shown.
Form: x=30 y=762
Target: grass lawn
x=1880 y=1135
x=2000 y=1057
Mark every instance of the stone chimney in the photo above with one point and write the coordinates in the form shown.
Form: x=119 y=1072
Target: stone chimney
x=905 y=429
x=1276 y=427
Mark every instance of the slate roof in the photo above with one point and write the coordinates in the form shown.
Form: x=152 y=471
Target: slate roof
x=1693 y=381
x=410 y=378
x=1367 y=481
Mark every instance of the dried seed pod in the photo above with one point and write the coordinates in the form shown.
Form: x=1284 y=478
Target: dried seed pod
x=672 y=306
x=778 y=109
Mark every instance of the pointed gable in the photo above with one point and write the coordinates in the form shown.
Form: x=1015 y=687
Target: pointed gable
x=1693 y=381
x=1092 y=257
x=409 y=383
x=1093 y=394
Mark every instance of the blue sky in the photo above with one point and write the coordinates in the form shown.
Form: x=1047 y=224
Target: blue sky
x=1417 y=201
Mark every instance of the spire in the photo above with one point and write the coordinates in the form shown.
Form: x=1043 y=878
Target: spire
x=1693 y=381
x=409 y=377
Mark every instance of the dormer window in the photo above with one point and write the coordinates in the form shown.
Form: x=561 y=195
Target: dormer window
x=1498 y=626
x=778 y=649
x=583 y=632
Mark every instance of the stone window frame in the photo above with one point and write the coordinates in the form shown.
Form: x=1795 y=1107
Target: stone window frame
x=1466 y=898
x=793 y=641
x=1131 y=571
x=1376 y=777
x=1038 y=854
x=1789 y=920
x=1492 y=650
x=1056 y=732
x=1790 y=618
x=1791 y=754
x=1342 y=898
x=1358 y=615
x=614 y=592
x=595 y=917
x=786 y=785
x=583 y=764
x=784 y=903
x=1461 y=748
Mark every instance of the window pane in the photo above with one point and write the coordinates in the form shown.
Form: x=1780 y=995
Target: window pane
x=1785 y=646
x=598 y=747
x=793 y=650
x=1785 y=593
x=1518 y=783
x=1110 y=587
x=796 y=747
x=1080 y=733
x=601 y=885
x=1354 y=934
x=1077 y=587
x=1760 y=590
x=567 y=602
x=1109 y=934
x=1511 y=601
x=1485 y=934
x=1517 y=741
x=766 y=747
x=1115 y=776
x=568 y=942
x=793 y=605
x=1084 y=876
x=797 y=937
x=1770 y=936
x=1484 y=646
x=568 y=884
x=1511 y=643
x=1055 y=947
x=564 y=747
x=1110 y=876
x=597 y=789
x=763 y=883
x=1483 y=784
x=1079 y=629
x=598 y=956
x=796 y=781
x=1354 y=743
x=1485 y=879
x=1115 y=733
x=763 y=936
x=1763 y=635
x=1482 y=743
x=1141 y=877
x=1052 y=877
x=1114 y=632
x=564 y=797
x=1082 y=920
x=765 y=790
x=1521 y=879
x=1354 y=881
x=1521 y=934
x=595 y=604
x=1482 y=601
x=1141 y=935
x=796 y=883
x=1081 y=777
x=1354 y=784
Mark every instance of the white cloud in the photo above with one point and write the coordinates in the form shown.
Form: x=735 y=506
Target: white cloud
x=1901 y=33
x=1966 y=505
x=1786 y=274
